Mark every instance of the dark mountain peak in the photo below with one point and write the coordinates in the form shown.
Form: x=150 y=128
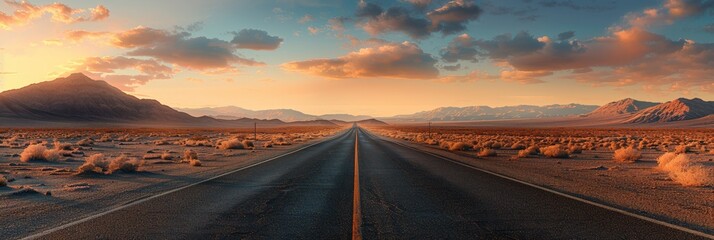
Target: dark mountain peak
x=620 y=107
x=675 y=110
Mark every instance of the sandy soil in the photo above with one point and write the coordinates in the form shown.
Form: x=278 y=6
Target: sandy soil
x=41 y=194
x=593 y=174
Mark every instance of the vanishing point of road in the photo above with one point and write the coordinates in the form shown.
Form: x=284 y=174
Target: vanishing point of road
x=360 y=186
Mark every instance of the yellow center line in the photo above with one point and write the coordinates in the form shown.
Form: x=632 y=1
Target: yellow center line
x=356 y=209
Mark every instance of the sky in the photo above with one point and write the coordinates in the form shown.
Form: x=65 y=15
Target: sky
x=379 y=58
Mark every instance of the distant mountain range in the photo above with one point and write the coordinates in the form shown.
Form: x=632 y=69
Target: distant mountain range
x=476 y=113
x=287 y=115
x=79 y=100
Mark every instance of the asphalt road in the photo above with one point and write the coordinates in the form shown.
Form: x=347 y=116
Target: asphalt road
x=403 y=194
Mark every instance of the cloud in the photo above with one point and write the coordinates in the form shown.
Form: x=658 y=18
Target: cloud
x=472 y=76
x=313 y=30
x=390 y=60
x=506 y=45
x=421 y=4
x=524 y=13
x=109 y=68
x=578 y=6
x=460 y=48
x=566 y=35
x=307 y=18
x=669 y=12
x=79 y=35
x=180 y=48
x=709 y=28
x=24 y=12
x=452 y=17
x=447 y=19
x=337 y=24
x=256 y=40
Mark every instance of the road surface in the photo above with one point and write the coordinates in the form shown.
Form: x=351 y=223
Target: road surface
x=396 y=192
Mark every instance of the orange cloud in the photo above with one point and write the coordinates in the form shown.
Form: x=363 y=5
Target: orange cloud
x=24 y=12
x=391 y=60
x=111 y=68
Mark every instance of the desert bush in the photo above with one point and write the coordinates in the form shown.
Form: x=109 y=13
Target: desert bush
x=166 y=156
x=124 y=164
x=190 y=154
x=94 y=163
x=681 y=149
x=683 y=170
x=458 y=146
x=61 y=146
x=487 y=152
x=575 y=149
x=248 y=144
x=554 y=151
x=518 y=146
x=268 y=144
x=532 y=150
x=38 y=152
x=629 y=154
x=3 y=181
x=194 y=162
x=231 y=144
x=85 y=142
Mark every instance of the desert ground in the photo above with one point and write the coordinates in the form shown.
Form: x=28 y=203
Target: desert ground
x=663 y=173
x=50 y=176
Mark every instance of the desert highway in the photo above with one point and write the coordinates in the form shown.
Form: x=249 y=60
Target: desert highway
x=357 y=185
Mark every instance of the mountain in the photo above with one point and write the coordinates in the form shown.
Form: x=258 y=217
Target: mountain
x=475 y=113
x=624 y=106
x=79 y=98
x=676 y=110
x=232 y=112
x=287 y=115
x=371 y=122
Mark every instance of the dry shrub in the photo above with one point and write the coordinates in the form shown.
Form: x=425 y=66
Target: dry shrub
x=124 y=164
x=194 y=162
x=94 y=164
x=683 y=170
x=575 y=150
x=231 y=144
x=3 y=181
x=487 y=152
x=190 y=154
x=629 y=154
x=38 y=152
x=681 y=149
x=458 y=146
x=247 y=144
x=61 y=146
x=267 y=144
x=166 y=156
x=518 y=146
x=532 y=150
x=554 y=151
x=151 y=156
x=85 y=142
x=445 y=144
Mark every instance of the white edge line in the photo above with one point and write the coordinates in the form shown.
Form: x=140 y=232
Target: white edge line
x=621 y=211
x=48 y=231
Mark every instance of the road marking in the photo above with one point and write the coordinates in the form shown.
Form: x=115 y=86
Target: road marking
x=356 y=208
x=144 y=199
x=600 y=205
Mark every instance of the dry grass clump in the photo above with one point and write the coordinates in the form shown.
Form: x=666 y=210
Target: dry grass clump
x=94 y=164
x=62 y=146
x=459 y=146
x=681 y=149
x=532 y=150
x=85 y=142
x=629 y=154
x=487 y=152
x=39 y=152
x=3 y=181
x=125 y=164
x=554 y=151
x=268 y=144
x=248 y=144
x=683 y=170
x=575 y=149
x=231 y=144
x=166 y=156
x=518 y=146
x=191 y=157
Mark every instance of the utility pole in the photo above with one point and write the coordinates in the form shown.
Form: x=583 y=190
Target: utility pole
x=429 y=129
x=255 y=131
